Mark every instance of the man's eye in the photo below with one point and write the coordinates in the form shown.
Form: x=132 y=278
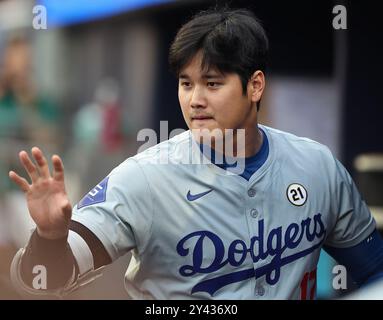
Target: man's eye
x=213 y=84
x=185 y=84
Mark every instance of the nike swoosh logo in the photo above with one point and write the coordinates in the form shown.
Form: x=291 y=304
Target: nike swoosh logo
x=192 y=197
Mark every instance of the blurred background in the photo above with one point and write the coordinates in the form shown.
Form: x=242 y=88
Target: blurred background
x=84 y=85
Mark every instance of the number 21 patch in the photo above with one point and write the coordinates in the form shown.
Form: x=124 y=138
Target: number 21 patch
x=297 y=194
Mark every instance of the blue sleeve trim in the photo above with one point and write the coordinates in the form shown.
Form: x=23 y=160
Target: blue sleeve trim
x=364 y=261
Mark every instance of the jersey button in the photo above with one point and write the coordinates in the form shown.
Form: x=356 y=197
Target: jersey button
x=260 y=291
x=251 y=192
x=254 y=213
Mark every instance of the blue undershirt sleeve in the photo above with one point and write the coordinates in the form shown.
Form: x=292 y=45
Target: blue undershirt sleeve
x=364 y=261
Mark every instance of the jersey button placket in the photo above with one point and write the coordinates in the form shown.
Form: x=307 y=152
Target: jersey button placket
x=254 y=213
x=260 y=291
x=251 y=193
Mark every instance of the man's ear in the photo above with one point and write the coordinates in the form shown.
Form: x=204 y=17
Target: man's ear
x=256 y=85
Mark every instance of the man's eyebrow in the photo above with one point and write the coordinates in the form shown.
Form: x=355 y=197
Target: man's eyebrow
x=212 y=75
x=204 y=76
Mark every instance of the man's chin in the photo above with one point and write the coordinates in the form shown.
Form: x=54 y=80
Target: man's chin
x=208 y=135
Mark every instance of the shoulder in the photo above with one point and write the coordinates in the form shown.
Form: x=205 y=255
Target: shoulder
x=171 y=150
x=288 y=145
x=303 y=154
x=290 y=140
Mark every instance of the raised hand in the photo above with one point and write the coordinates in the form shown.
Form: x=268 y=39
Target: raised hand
x=47 y=200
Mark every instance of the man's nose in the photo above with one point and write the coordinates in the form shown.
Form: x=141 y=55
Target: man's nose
x=198 y=99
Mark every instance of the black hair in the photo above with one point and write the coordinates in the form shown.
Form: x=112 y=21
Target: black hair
x=230 y=40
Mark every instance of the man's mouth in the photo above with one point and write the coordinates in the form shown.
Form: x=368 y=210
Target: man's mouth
x=200 y=118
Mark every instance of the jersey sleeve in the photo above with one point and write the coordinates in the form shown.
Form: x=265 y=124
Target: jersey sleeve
x=119 y=210
x=353 y=220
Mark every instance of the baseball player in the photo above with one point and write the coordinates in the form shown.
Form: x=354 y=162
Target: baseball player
x=198 y=230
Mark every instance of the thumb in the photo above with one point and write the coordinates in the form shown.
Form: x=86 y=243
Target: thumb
x=66 y=208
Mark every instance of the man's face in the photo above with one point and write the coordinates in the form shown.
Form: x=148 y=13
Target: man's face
x=212 y=100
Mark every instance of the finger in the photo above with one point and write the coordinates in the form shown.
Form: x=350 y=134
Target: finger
x=21 y=182
x=58 y=168
x=41 y=162
x=29 y=166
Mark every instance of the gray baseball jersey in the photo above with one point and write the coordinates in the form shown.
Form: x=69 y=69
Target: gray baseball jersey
x=197 y=231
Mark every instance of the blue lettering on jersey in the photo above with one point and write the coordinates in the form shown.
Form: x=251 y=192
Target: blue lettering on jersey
x=259 y=249
x=96 y=195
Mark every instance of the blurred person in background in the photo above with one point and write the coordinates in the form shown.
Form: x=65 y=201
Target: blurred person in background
x=100 y=119
x=25 y=113
x=98 y=129
x=26 y=116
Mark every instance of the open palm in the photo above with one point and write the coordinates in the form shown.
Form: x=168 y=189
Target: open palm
x=47 y=200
